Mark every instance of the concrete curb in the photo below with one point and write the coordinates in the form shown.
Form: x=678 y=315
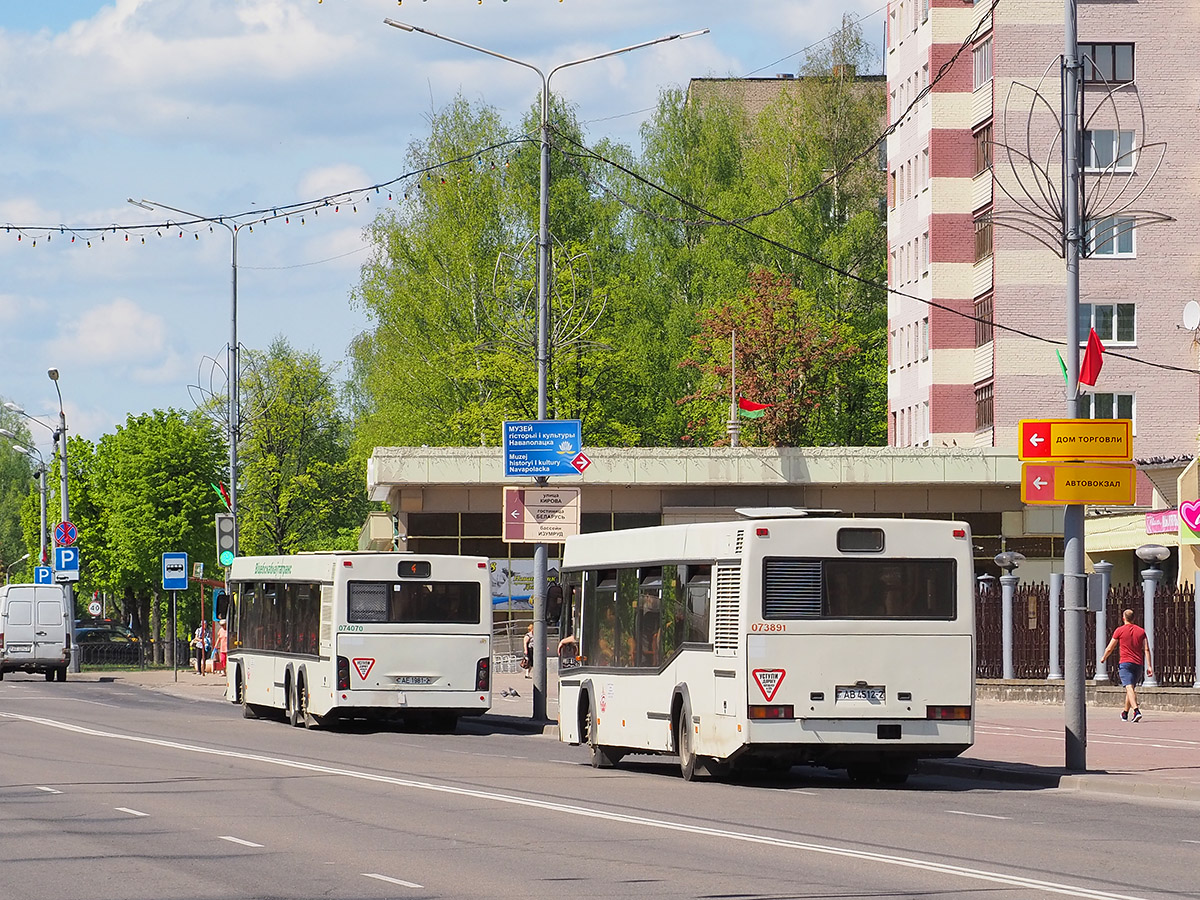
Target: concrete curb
x=1114 y=784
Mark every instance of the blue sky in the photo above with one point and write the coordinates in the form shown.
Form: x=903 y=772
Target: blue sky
x=219 y=106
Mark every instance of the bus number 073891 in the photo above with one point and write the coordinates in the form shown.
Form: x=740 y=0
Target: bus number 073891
x=768 y=626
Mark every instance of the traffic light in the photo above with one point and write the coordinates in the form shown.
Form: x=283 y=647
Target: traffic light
x=226 y=538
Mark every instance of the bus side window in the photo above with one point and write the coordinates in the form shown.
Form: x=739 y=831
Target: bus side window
x=698 y=581
x=649 y=620
x=600 y=618
x=627 y=612
x=672 y=623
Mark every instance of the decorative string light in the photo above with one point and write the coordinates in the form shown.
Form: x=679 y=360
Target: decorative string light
x=483 y=159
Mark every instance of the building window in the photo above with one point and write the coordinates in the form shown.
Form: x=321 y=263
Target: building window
x=1111 y=236
x=1108 y=150
x=983 y=149
x=984 y=407
x=982 y=56
x=925 y=253
x=925 y=338
x=983 y=235
x=892 y=190
x=983 y=321
x=1115 y=323
x=1111 y=63
x=1105 y=406
x=924 y=10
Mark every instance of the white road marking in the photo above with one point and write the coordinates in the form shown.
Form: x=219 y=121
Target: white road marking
x=49 y=790
x=234 y=840
x=411 y=884
x=132 y=812
x=1186 y=841
x=959 y=812
x=721 y=834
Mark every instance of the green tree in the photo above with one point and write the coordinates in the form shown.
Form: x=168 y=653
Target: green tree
x=144 y=492
x=300 y=488
x=785 y=357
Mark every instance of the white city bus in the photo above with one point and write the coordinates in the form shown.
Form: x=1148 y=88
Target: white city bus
x=788 y=637
x=324 y=636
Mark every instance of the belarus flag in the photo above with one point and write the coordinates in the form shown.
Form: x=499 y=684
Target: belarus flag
x=1093 y=359
x=750 y=409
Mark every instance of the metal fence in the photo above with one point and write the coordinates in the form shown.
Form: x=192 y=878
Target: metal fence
x=1174 y=631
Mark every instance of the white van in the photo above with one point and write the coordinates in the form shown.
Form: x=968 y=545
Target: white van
x=35 y=631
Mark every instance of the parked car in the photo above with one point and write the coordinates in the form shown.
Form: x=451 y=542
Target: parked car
x=108 y=645
x=105 y=623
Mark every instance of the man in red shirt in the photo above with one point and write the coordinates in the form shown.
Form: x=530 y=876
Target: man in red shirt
x=1134 y=662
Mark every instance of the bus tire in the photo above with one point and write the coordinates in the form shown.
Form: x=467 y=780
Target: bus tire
x=685 y=743
x=291 y=705
x=249 y=710
x=601 y=757
x=50 y=674
x=307 y=719
x=61 y=673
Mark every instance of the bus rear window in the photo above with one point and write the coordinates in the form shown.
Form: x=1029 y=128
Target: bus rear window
x=859 y=588
x=413 y=603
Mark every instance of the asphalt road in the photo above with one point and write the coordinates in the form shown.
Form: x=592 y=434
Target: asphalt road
x=109 y=790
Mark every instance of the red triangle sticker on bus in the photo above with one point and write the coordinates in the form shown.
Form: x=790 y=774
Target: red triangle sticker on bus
x=364 y=667
x=769 y=681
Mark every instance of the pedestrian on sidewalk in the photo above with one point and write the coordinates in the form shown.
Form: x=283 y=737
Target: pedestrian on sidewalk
x=199 y=642
x=220 y=646
x=527 y=657
x=1134 y=662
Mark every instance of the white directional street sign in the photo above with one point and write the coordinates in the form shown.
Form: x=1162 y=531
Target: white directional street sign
x=537 y=515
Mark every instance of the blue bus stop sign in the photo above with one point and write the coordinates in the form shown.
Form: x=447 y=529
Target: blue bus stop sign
x=174 y=572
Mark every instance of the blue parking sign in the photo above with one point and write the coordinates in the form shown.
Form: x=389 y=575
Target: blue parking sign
x=66 y=563
x=43 y=575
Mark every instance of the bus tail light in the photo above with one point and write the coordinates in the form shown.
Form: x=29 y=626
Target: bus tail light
x=483 y=674
x=959 y=713
x=343 y=674
x=772 y=712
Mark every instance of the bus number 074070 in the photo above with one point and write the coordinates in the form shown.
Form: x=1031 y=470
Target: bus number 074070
x=768 y=626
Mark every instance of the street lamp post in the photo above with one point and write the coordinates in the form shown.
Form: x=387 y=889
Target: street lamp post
x=543 y=305
x=232 y=357
x=66 y=506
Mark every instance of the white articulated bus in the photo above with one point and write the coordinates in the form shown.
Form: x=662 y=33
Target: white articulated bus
x=788 y=637
x=344 y=635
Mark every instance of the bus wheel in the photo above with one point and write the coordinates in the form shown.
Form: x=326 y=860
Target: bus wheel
x=602 y=757
x=290 y=703
x=50 y=674
x=896 y=771
x=685 y=744
x=307 y=718
x=249 y=710
x=62 y=673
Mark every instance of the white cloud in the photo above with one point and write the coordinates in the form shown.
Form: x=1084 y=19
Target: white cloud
x=117 y=332
x=332 y=179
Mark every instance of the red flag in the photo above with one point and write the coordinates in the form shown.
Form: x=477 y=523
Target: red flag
x=750 y=405
x=1093 y=359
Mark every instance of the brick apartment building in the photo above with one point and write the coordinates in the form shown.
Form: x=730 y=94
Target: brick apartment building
x=953 y=381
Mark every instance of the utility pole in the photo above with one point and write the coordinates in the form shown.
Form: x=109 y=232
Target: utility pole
x=1074 y=605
